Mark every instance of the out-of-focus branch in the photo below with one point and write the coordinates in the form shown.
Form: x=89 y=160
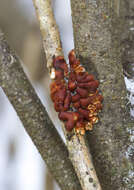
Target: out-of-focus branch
x=78 y=151
x=34 y=118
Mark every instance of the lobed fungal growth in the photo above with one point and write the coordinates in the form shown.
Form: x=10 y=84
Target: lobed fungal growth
x=75 y=95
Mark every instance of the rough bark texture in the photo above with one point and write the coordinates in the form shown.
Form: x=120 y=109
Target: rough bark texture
x=128 y=39
x=98 y=28
x=34 y=118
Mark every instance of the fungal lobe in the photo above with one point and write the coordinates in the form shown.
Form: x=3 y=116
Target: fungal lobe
x=82 y=92
x=75 y=98
x=67 y=101
x=70 y=117
x=60 y=63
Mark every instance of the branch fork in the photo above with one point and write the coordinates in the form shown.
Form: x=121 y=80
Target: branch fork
x=78 y=151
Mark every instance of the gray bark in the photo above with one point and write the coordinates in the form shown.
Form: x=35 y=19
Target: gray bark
x=128 y=40
x=34 y=118
x=98 y=34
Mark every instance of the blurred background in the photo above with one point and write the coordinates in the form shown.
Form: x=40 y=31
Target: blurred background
x=21 y=166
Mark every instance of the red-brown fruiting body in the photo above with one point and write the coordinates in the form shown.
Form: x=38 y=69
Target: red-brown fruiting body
x=72 y=76
x=56 y=85
x=74 y=65
x=90 y=100
x=76 y=105
x=95 y=98
x=59 y=74
x=79 y=69
x=72 y=85
x=60 y=63
x=59 y=96
x=84 y=113
x=84 y=102
x=75 y=98
x=88 y=78
x=93 y=85
x=78 y=91
x=99 y=97
x=98 y=105
x=71 y=56
x=82 y=92
x=72 y=81
x=80 y=124
x=67 y=101
x=70 y=117
x=58 y=106
x=81 y=76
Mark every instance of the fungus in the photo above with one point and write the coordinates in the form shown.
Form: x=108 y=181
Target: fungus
x=76 y=105
x=59 y=75
x=80 y=76
x=75 y=95
x=82 y=92
x=87 y=78
x=72 y=85
x=93 y=85
x=84 y=113
x=75 y=98
x=60 y=63
x=84 y=102
x=67 y=101
x=58 y=106
x=70 y=117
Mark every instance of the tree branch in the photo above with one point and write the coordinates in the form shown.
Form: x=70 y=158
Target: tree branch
x=98 y=33
x=34 y=118
x=49 y=30
x=78 y=151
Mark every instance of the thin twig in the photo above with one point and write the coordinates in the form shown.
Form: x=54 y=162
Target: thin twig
x=78 y=151
x=35 y=118
x=49 y=30
x=49 y=181
x=82 y=161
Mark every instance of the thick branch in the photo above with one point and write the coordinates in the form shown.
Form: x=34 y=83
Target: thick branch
x=76 y=145
x=34 y=118
x=98 y=29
